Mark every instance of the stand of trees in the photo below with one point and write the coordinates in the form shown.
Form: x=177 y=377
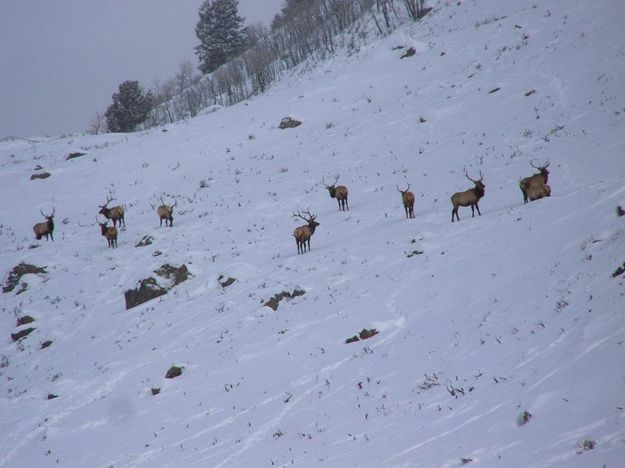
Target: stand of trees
x=304 y=30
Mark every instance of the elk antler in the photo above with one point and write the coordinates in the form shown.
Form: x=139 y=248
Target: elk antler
x=48 y=216
x=474 y=181
x=336 y=179
x=307 y=212
x=402 y=191
x=467 y=176
x=540 y=168
x=108 y=200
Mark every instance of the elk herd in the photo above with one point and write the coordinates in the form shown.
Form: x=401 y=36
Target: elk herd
x=533 y=188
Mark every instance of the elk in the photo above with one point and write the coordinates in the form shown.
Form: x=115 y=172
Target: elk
x=537 y=180
x=110 y=232
x=340 y=193
x=536 y=192
x=407 y=199
x=165 y=212
x=116 y=213
x=45 y=229
x=470 y=197
x=302 y=234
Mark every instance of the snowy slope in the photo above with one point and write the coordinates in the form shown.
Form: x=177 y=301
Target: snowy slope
x=515 y=310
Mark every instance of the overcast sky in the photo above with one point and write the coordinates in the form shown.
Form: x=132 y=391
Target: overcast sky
x=61 y=60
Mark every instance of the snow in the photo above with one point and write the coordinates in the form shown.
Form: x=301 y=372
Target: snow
x=511 y=311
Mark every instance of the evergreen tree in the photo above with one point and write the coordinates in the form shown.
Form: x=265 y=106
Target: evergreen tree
x=220 y=31
x=290 y=10
x=130 y=107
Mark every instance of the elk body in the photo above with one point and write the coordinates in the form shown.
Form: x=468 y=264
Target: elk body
x=538 y=191
x=302 y=234
x=110 y=232
x=45 y=229
x=535 y=184
x=116 y=213
x=338 y=192
x=407 y=199
x=470 y=197
x=166 y=212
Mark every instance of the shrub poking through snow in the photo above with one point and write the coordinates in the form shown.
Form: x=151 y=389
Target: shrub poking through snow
x=585 y=445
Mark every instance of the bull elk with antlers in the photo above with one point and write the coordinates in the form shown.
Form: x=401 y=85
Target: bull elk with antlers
x=470 y=197
x=165 y=212
x=110 y=232
x=338 y=192
x=302 y=234
x=115 y=213
x=535 y=186
x=46 y=228
x=407 y=199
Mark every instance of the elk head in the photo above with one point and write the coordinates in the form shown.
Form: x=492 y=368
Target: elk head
x=542 y=169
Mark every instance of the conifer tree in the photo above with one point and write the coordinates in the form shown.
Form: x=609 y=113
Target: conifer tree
x=220 y=31
x=130 y=107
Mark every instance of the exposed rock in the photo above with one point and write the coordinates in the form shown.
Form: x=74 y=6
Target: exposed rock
x=275 y=300
x=22 y=333
x=225 y=282
x=363 y=335
x=147 y=290
x=40 y=175
x=52 y=396
x=289 y=122
x=16 y=275
x=46 y=343
x=76 y=154
x=24 y=320
x=155 y=390
x=409 y=53
x=175 y=274
x=146 y=240
x=173 y=372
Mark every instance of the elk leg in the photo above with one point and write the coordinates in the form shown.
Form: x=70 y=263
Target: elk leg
x=478 y=209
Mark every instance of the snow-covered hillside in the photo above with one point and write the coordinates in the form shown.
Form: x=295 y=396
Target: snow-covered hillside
x=479 y=321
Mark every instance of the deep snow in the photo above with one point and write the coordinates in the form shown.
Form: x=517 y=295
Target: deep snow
x=515 y=310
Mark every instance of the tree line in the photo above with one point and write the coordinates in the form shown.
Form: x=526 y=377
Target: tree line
x=237 y=62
